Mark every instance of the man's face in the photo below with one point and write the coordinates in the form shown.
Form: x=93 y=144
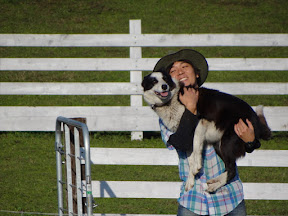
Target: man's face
x=184 y=72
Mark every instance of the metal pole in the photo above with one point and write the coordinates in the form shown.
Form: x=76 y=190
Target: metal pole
x=78 y=172
x=58 y=149
x=89 y=197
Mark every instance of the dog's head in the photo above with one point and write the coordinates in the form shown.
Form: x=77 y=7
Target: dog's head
x=159 y=88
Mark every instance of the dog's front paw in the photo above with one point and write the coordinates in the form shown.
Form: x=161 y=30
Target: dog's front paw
x=195 y=163
x=189 y=183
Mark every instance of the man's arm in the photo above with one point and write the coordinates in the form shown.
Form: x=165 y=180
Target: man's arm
x=182 y=139
x=247 y=134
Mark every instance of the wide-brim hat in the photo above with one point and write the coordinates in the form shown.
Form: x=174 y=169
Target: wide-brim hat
x=192 y=56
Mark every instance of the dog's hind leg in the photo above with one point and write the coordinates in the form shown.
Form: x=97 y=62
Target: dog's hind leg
x=231 y=148
x=221 y=180
x=205 y=131
x=195 y=158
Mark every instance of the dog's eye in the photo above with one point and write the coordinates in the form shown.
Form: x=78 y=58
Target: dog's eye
x=167 y=78
x=155 y=81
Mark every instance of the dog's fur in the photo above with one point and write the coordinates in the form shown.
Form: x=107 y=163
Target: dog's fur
x=218 y=113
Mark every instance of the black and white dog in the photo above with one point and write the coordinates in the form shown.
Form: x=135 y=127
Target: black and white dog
x=218 y=113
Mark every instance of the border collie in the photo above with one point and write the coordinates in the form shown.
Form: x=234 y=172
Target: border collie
x=218 y=112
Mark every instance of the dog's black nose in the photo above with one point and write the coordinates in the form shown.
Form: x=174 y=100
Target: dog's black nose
x=164 y=86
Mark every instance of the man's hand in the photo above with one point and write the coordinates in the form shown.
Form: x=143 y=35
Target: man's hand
x=190 y=99
x=246 y=133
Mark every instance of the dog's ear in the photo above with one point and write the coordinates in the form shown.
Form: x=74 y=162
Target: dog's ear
x=148 y=82
x=143 y=81
x=169 y=80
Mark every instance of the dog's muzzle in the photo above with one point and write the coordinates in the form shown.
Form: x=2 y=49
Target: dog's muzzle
x=165 y=87
x=164 y=93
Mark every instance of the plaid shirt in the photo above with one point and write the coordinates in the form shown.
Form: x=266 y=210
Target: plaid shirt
x=197 y=200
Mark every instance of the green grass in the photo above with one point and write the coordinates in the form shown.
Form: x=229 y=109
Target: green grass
x=27 y=160
x=163 y=16
x=28 y=174
x=28 y=177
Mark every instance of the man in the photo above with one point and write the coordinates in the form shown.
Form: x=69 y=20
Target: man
x=191 y=68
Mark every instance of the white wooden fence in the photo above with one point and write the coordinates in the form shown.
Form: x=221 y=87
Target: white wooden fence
x=137 y=118
x=136 y=156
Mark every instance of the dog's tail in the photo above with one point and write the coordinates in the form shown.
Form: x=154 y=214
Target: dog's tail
x=265 y=130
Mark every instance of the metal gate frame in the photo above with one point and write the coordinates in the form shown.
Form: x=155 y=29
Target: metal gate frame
x=59 y=152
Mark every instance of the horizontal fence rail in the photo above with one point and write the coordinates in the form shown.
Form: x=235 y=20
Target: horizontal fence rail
x=103 y=118
x=143 y=40
x=48 y=88
x=146 y=189
x=163 y=156
x=139 y=64
x=154 y=156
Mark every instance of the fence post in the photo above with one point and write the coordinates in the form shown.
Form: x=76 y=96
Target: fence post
x=135 y=76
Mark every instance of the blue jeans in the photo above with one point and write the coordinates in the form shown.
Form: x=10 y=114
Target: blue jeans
x=240 y=210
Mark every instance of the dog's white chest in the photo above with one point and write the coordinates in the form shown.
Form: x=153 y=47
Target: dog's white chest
x=171 y=115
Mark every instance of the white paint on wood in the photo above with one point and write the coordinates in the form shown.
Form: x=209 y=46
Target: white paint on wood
x=150 y=40
x=54 y=88
x=148 y=189
x=133 y=156
x=125 y=88
x=266 y=191
x=75 y=64
x=135 y=76
x=250 y=88
x=67 y=40
x=135 y=189
x=247 y=64
x=196 y=40
x=100 y=118
x=159 y=156
x=143 y=64
x=265 y=158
